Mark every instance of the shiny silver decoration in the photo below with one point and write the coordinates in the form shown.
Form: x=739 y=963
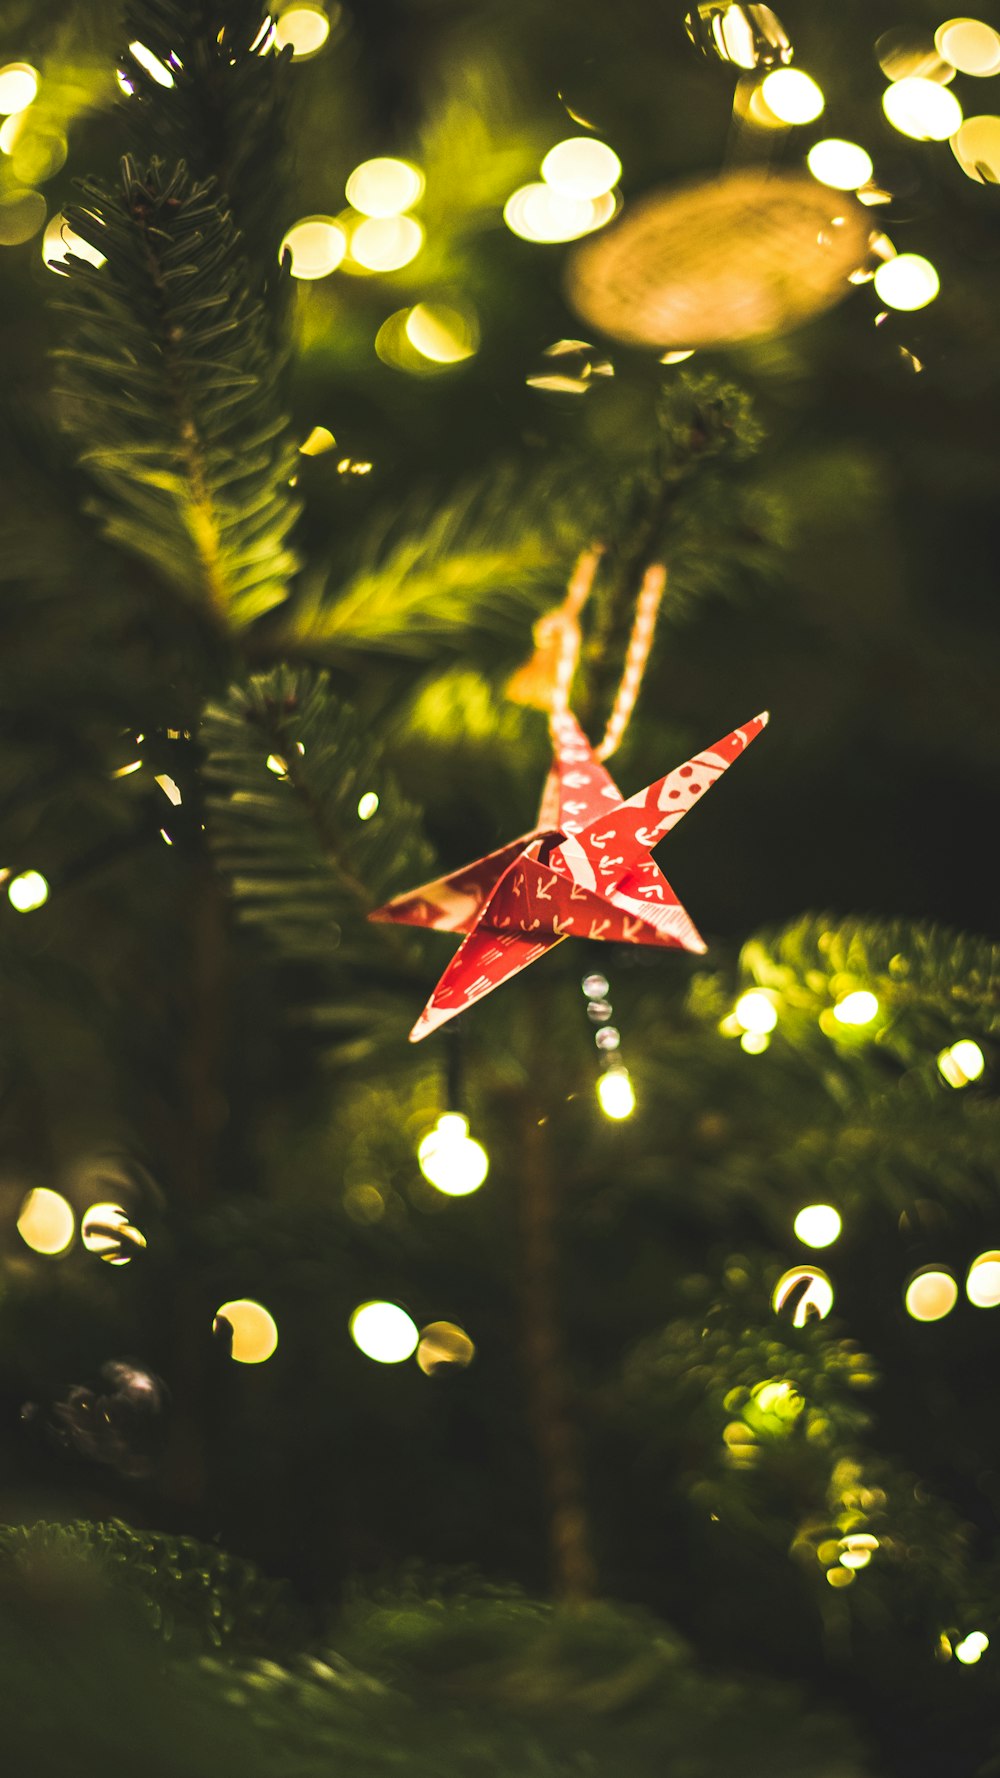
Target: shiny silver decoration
x=748 y=37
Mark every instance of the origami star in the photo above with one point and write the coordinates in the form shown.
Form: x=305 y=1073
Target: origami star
x=583 y=871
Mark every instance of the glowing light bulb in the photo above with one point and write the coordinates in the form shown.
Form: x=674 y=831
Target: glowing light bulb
x=384 y=186
x=27 y=891
x=303 y=28
x=46 y=1222
x=255 y=1332
x=961 y=1063
x=792 y=96
x=443 y=1345
x=386 y=243
x=581 y=167
x=982 y=1287
x=442 y=334
x=843 y=165
x=857 y=1550
x=451 y=1160
x=931 y=1294
x=317 y=245
x=383 y=1332
x=756 y=1011
x=320 y=439
x=971 y=1649
x=970 y=46
x=754 y=1043
x=922 y=109
x=540 y=213
x=156 y=69
x=59 y=240
x=976 y=147
x=368 y=805
x=18 y=87
x=616 y=1094
x=108 y=1231
x=861 y=1007
x=907 y=282
x=814 y=1301
x=818 y=1225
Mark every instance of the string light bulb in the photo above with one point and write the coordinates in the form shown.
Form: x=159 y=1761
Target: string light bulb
x=907 y=282
x=756 y=1011
x=792 y=96
x=18 y=87
x=152 y=65
x=922 y=109
x=386 y=243
x=368 y=805
x=818 y=1225
x=970 y=46
x=383 y=1332
x=931 y=1294
x=108 y=1231
x=27 y=891
x=972 y=1648
x=842 y=165
x=254 y=1330
x=581 y=167
x=46 y=1222
x=812 y=1303
x=861 y=1007
x=384 y=186
x=616 y=1094
x=317 y=245
x=540 y=213
x=982 y=1286
x=444 y=1346
x=962 y=1063
x=442 y=334
x=451 y=1160
x=303 y=28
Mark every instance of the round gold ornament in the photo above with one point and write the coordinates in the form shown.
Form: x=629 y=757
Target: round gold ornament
x=734 y=258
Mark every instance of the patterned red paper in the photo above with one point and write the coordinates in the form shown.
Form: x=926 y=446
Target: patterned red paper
x=584 y=871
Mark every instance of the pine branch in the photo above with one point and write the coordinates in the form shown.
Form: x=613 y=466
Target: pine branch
x=299 y=860
x=225 y=114
x=169 y=390
x=483 y=566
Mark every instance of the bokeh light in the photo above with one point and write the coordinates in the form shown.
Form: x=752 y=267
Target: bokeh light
x=27 y=891
x=384 y=187
x=842 y=165
x=368 y=805
x=678 y=355
x=754 y=1043
x=444 y=1345
x=441 y=333
x=317 y=245
x=792 y=96
x=383 y=1332
x=616 y=1094
x=813 y=1292
x=756 y=1011
x=386 y=243
x=857 y=1550
x=108 y=1231
x=451 y=1160
x=970 y=46
x=922 y=109
x=976 y=147
x=907 y=282
x=972 y=1648
x=320 y=440
x=46 y=1222
x=931 y=1294
x=861 y=1007
x=59 y=240
x=255 y=1332
x=18 y=87
x=907 y=50
x=818 y=1225
x=540 y=213
x=962 y=1063
x=156 y=69
x=581 y=167
x=302 y=27
x=22 y=213
x=982 y=1286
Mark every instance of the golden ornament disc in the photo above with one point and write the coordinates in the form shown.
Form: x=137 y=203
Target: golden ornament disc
x=734 y=258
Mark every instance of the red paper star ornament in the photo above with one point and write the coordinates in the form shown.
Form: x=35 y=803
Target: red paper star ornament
x=584 y=871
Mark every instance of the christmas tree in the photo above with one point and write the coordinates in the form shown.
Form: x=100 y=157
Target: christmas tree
x=601 y=1386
